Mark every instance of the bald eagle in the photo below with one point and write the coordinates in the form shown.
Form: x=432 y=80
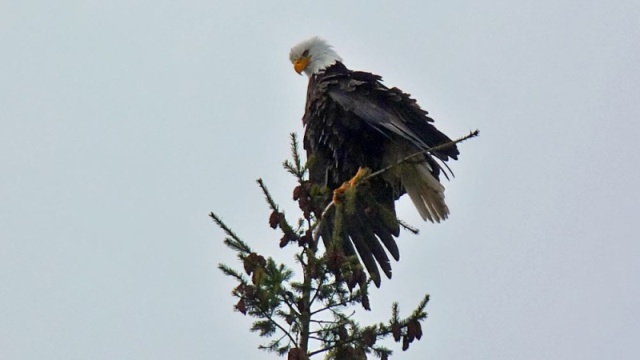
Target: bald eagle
x=353 y=121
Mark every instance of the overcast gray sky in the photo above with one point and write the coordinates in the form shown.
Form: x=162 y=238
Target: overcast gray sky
x=123 y=123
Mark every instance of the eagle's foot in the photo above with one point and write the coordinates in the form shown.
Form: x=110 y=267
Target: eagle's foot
x=338 y=193
x=361 y=174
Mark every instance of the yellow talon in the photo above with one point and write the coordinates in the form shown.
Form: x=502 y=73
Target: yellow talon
x=339 y=192
x=362 y=172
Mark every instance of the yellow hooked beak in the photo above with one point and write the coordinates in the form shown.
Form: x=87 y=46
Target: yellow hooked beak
x=300 y=64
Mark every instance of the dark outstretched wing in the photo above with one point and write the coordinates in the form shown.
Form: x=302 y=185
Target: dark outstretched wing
x=364 y=229
x=389 y=111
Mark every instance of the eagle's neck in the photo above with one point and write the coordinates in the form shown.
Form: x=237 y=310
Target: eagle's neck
x=333 y=69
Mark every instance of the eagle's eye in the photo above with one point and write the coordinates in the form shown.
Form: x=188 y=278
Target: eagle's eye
x=305 y=53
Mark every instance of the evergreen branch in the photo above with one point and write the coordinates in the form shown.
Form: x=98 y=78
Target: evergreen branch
x=289 y=300
x=291 y=168
x=329 y=348
x=336 y=325
x=274 y=322
x=294 y=150
x=316 y=338
x=232 y=273
x=227 y=230
x=382 y=330
x=272 y=204
x=321 y=322
x=237 y=245
x=296 y=318
x=233 y=241
x=319 y=288
x=274 y=346
x=419 y=311
x=286 y=228
x=331 y=306
x=320 y=351
x=296 y=168
x=395 y=312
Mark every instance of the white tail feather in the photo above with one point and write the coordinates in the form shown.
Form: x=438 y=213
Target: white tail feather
x=426 y=192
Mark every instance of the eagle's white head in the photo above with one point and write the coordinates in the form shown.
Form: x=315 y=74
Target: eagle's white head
x=312 y=56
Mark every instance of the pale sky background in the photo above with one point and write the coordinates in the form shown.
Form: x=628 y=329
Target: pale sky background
x=123 y=123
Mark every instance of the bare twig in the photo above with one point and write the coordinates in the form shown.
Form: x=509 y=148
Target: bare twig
x=329 y=307
x=408 y=227
x=471 y=134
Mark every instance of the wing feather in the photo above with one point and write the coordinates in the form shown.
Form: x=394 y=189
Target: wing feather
x=391 y=112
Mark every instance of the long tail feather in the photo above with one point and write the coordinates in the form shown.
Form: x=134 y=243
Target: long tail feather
x=426 y=192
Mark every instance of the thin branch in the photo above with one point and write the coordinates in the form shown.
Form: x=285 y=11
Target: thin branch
x=329 y=307
x=316 y=338
x=285 y=298
x=336 y=324
x=274 y=344
x=420 y=309
x=233 y=273
x=345 y=342
x=226 y=229
x=322 y=321
x=408 y=227
x=319 y=287
x=268 y=317
x=272 y=204
x=471 y=134
x=296 y=168
x=320 y=224
x=328 y=348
